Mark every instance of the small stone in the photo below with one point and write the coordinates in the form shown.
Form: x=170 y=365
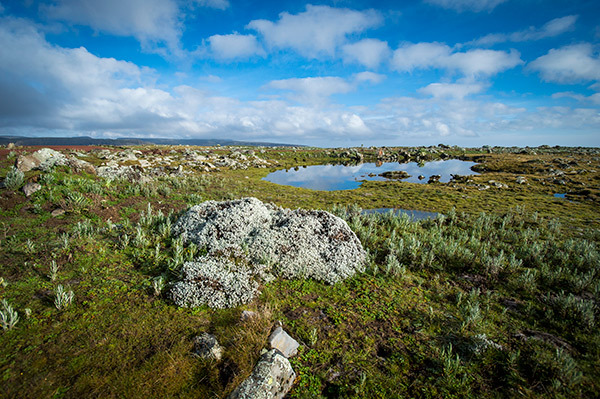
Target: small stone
x=247 y=315
x=10 y=146
x=206 y=346
x=421 y=177
x=285 y=344
x=271 y=378
x=521 y=180
x=31 y=188
x=57 y=212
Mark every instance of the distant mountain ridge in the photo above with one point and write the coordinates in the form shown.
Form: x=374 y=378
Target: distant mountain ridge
x=84 y=140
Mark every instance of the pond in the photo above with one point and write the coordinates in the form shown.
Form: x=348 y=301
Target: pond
x=341 y=177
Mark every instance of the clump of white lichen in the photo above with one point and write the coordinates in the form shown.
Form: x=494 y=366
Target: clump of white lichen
x=265 y=241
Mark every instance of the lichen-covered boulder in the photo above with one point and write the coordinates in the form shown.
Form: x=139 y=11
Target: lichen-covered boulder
x=248 y=243
x=44 y=159
x=271 y=378
x=294 y=243
x=216 y=282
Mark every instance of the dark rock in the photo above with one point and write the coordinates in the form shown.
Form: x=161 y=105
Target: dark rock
x=395 y=174
x=206 y=346
x=434 y=178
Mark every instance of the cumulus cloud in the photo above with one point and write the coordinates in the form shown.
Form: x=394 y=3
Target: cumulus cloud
x=233 y=46
x=318 y=31
x=552 y=28
x=368 y=52
x=370 y=77
x=438 y=55
x=312 y=90
x=575 y=63
x=467 y=5
x=151 y=22
x=594 y=98
x=452 y=90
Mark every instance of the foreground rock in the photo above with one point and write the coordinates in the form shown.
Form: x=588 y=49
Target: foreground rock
x=267 y=242
x=285 y=344
x=248 y=242
x=271 y=378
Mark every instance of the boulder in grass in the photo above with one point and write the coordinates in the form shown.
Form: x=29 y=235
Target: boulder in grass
x=30 y=188
x=285 y=344
x=272 y=378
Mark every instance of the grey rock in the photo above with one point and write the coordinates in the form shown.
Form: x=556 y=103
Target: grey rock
x=206 y=346
x=43 y=159
x=271 y=378
x=521 y=180
x=248 y=315
x=31 y=188
x=80 y=165
x=57 y=212
x=285 y=344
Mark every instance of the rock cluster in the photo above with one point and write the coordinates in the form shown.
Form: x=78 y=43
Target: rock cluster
x=266 y=241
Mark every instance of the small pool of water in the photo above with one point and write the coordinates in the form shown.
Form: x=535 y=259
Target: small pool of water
x=341 y=177
x=560 y=195
x=414 y=215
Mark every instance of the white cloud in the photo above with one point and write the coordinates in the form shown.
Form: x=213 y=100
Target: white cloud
x=552 y=28
x=452 y=90
x=149 y=21
x=579 y=62
x=368 y=52
x=312 y=90
x=437 y=55
x=370 y=77
x=467 y=5
x=317 y=31
x=594 y=98
x=235 y=46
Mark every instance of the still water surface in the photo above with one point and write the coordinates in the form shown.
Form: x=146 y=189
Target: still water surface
x=340 y=177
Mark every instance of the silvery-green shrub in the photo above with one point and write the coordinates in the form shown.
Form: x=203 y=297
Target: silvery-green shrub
x=14 y=179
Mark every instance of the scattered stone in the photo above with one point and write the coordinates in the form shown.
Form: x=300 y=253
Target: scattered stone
x=271 y=378
x=285 y=344
x=79 y=165
x=395 y=174
x=206 y=346
x=10 y=146
x=421 y=177
x=521 y=180
x=248 y=315
x=31 y=188
x=57 y=212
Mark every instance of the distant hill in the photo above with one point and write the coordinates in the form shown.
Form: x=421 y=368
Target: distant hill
x=49 y=141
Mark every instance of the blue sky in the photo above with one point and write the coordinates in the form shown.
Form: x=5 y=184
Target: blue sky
x=333 y=73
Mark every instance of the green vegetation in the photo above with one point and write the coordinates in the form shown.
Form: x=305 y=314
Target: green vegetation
x=496 y=297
